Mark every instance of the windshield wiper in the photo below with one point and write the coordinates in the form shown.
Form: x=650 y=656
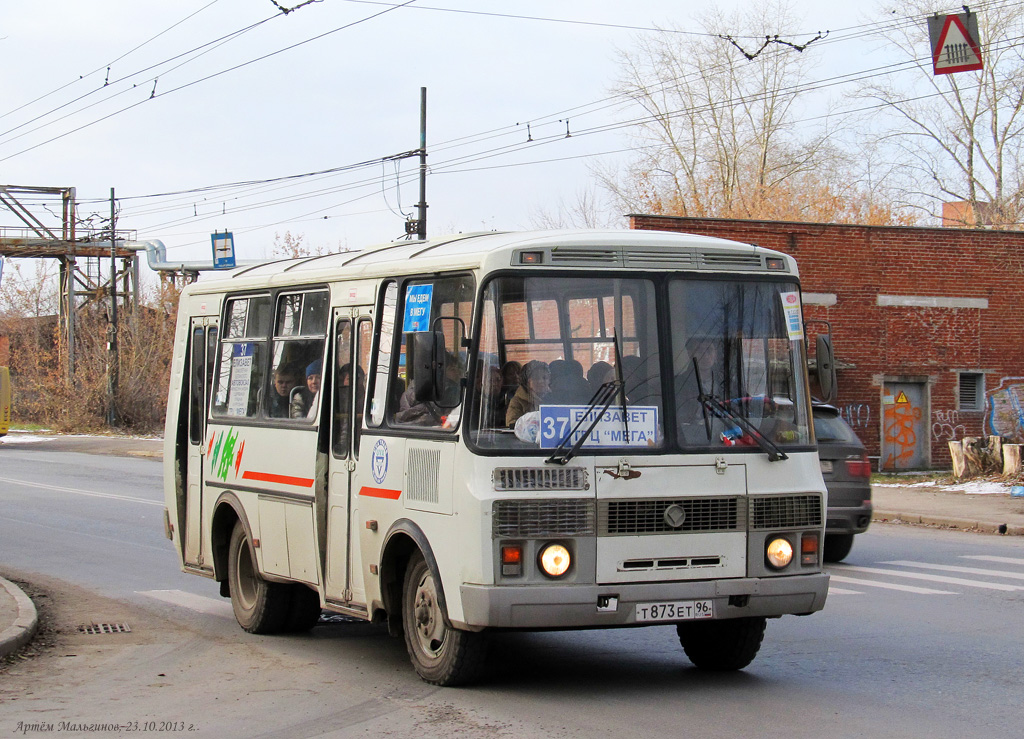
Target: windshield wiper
x=720 y=408
x=603 y=397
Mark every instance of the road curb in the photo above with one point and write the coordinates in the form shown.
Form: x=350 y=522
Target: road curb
x=20 y=633
x=961 y=524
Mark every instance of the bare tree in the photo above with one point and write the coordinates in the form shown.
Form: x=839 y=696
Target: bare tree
x=718 y=135
x=587 y=209
x=959 y=137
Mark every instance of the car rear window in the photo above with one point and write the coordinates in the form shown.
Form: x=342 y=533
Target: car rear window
x=829 y=427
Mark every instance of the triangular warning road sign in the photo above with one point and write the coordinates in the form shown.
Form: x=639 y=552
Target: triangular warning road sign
x=955 y=47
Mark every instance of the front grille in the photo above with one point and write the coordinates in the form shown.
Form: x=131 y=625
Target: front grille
x=528 y=519
x=785 y=512
x=628 y=517
x=540 y=478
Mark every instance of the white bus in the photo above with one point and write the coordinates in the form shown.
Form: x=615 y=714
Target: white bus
x=550 y=430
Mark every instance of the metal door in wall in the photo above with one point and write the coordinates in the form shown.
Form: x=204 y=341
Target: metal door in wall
x=905 y=426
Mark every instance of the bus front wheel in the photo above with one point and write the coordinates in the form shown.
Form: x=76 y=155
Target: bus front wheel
x=442 y=655
x=722 y=646
x=260 y=607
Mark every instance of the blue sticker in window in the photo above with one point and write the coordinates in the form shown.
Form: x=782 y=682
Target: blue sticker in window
x=417 y=308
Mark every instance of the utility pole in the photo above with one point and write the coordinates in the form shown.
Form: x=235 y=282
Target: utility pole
x=112 y=330
x=421 y=207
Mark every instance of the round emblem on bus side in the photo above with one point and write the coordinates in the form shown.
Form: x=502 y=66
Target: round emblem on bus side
x=674 y=516
x=379 y=461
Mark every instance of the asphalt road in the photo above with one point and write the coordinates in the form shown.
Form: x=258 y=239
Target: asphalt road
x=921 y=637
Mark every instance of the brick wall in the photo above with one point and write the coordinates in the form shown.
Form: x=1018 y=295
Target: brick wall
x=913 y=305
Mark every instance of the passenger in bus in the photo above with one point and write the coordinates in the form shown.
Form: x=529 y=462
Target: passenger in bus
x=489 y=394
x=510 y=372
x=534 y=386
x=305 y=400
x=286 y=377
x=429 y=412
x=568 y=386
x=343 y=414
x=599 y=373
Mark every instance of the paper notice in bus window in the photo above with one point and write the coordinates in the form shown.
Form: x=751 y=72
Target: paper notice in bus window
x=556 y=421
x=241 y=377
x=791 y=310
x=417 y=308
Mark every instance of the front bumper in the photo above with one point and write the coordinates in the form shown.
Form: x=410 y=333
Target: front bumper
x=578 y=606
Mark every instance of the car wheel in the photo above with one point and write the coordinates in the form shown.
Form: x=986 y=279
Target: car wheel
x=441 y=654
x=837 y=546
x=722 y=646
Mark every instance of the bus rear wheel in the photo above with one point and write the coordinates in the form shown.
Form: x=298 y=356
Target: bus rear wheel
x=722 y=646
x=442 y=655
x=260 y=606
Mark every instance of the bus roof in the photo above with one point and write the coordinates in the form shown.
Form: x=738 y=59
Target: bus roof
x=615 y=249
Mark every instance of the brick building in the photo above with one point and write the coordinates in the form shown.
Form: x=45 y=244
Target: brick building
x=926 y=321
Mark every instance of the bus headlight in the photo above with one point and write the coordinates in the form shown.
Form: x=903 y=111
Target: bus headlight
x=779 y=553
x=555 y=560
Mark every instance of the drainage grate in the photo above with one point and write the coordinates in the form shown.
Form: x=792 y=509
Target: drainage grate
x=104 y=629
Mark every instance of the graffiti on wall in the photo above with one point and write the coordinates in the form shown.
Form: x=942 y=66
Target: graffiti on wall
x=858 y=415
x=899 y=432
x=946 y=426
x=1005 y=409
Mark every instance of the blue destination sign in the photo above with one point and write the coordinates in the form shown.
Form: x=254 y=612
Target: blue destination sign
x=558 y=420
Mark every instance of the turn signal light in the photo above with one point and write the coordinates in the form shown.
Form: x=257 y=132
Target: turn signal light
x=511 y=560
x=809 y=549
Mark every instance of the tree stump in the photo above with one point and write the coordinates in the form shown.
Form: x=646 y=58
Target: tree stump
x=1011 y=460
x=956 y=451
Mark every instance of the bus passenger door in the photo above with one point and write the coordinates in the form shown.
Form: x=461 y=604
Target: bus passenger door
x=352 y=334
x=200 y=378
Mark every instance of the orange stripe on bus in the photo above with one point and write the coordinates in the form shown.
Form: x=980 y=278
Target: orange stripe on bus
x=380 y=493
x=302 y=482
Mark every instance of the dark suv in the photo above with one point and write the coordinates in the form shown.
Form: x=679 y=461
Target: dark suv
x=847 y=473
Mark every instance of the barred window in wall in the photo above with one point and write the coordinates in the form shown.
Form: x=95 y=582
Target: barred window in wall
x=972 y=391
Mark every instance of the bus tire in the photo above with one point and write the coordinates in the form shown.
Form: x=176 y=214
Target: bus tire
x=837 y=546
x=442 y=655
x=260 y=607
x=304 y=610
x=722 y=646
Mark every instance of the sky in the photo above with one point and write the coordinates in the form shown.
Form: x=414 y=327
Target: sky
x=161 y=101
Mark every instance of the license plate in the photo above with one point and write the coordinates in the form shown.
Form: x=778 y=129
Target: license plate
x=679 y=610
x=826 y=466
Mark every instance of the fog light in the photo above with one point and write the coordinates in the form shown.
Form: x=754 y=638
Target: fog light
x=555 y=560
x=779 y=553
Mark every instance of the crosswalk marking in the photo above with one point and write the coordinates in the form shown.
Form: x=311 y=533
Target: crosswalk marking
x=955 y=568
x=992 y=558
x=843 y=591
x=211 y=606
x=932 y=578
x=889 y=585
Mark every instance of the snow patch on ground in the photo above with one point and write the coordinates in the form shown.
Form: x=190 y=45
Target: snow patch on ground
x=973 y=487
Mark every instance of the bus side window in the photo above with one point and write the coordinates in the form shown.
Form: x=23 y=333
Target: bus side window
x=342 y=415
x=300 y=330
x=385 y=344
x=364 y=337
x=243 y=357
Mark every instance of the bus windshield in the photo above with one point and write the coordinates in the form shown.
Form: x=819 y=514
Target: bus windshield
x=548 y=345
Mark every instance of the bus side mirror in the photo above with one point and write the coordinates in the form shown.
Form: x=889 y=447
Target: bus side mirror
x=826 y=367
x=425 y=355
